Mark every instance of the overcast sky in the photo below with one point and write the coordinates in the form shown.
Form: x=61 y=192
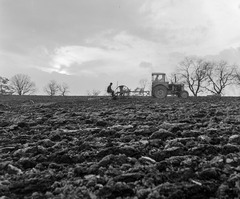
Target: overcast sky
x=89 y=43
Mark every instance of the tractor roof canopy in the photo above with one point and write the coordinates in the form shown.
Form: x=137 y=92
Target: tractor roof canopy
x=158 y=73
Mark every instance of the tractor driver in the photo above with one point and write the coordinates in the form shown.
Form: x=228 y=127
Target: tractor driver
x=109 y=90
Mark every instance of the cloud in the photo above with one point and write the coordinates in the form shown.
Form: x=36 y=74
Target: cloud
x=231 y=55
x=63 y=23
x=176 y=23
x=104 y=54
x=147 y=65
x=199 y=27
x=64 y=57
x=118 y=39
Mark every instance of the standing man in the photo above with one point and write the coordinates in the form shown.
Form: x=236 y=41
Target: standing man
x=109 y=90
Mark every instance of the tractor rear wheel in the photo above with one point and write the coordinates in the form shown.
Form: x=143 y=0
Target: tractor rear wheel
x=184 y=94
x=160 y=91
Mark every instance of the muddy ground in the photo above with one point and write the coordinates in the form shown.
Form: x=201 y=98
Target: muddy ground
x=81 y=147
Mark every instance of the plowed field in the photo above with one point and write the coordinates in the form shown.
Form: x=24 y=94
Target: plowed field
x=81 y=147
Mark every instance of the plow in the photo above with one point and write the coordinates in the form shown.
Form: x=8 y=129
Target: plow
x=124 y=91
x=160 y=88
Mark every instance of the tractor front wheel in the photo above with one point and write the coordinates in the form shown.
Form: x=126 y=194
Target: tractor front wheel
x=160 y=91
x=184 y=94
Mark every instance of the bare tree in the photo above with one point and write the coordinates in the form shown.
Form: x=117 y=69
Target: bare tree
x=220 y=75
x=193 y=72
x=63 y=89
x=51 y=88
x=5 y=88
x=93 y=92
x=237 y=77
x=143 y=83
x=22 y=84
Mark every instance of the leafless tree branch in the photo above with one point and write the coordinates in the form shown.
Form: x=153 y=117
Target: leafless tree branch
x=63 y=89
x=220 y=75
x=193 y=72
x=22 y=84
x=51 y=88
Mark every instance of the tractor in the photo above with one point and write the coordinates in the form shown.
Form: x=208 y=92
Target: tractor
x=161 y=88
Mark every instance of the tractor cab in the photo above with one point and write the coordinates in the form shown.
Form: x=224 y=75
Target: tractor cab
x=158 y=77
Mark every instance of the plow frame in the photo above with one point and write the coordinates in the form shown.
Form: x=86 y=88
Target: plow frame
x=124 y=91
